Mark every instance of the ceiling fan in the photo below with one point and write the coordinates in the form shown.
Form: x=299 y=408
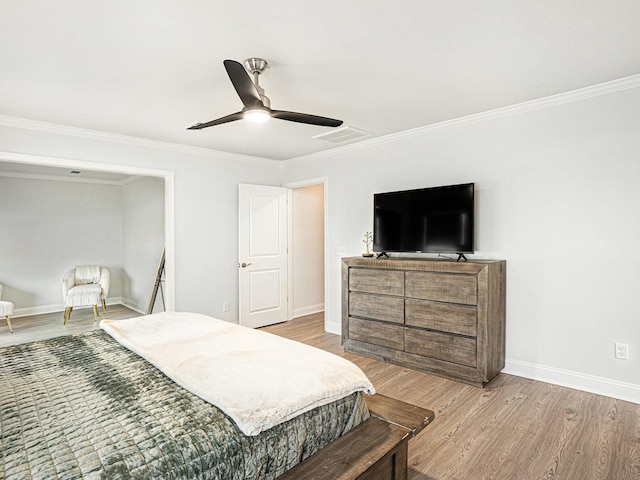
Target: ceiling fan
x=257 y=106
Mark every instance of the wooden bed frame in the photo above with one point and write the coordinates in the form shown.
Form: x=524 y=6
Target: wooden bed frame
x=374 y=450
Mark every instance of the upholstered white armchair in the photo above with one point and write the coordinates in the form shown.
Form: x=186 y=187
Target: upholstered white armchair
x=85 y=285
x=6 y=309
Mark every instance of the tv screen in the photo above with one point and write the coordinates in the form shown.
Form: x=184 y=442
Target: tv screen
x=429 y=220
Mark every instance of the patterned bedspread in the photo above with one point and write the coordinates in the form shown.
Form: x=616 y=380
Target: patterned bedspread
x=83 y=406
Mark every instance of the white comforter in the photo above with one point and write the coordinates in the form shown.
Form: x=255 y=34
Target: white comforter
x=256 y=378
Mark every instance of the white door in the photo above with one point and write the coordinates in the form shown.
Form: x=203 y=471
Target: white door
x=262 y=262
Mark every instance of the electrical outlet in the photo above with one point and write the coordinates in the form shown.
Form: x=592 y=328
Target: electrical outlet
x=341 y=251
x=225 y=307
x=622 y=351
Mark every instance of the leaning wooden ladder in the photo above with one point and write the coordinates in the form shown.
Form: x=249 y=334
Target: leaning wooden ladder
x=157 y=285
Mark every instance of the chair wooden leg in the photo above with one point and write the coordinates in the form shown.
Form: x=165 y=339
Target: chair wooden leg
x=67 y=314
x=104 y=306
x=9 y=323
x=95 y=313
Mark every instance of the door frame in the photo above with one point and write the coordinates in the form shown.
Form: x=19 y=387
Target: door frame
x=324 y=181
x=169 y=201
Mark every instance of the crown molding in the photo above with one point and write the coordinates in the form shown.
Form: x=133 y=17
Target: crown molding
x=57 y=178
x=577 y=95
x=133 y=173
x=46 y=127
x=550 y=101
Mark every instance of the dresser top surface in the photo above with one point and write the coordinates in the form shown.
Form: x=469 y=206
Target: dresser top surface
x=424 y=264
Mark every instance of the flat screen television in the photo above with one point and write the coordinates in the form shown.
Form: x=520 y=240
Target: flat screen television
x=427 y=220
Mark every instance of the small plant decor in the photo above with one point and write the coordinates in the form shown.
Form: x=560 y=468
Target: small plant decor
x=368 y=239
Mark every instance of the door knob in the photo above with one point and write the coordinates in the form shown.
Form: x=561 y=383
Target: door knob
x=243 y=265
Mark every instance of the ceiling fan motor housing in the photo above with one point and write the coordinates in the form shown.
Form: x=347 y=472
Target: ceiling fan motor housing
x=256 y=65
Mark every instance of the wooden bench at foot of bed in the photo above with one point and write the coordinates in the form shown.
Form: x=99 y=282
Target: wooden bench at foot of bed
x=374 y=450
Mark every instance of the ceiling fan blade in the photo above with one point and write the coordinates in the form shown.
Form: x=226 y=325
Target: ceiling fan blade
x=241 y=81
x=218 y=121
x=305 y=118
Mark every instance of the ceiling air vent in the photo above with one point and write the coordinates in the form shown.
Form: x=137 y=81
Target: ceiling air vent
x=342 y=135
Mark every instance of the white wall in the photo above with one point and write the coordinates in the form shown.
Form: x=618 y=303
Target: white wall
x=557 y=193
x=205 y=192
x=308 y=249
x=142 y=240
x=49 y=227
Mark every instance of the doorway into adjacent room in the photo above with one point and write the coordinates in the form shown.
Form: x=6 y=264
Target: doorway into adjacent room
x=139 y=189
x=281 y=252
x=307 y=240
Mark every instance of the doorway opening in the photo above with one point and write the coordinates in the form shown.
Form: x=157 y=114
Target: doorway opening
x=168 y=181
x=307 y=289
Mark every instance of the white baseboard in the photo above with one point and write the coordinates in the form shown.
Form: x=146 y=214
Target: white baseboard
x=58 y=307
x=24 y=312
x=308 y=310
x=133 y=306
x=628 y=392
x=580 y=381
x=333 y=327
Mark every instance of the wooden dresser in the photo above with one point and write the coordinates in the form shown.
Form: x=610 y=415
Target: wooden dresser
x=439 y=316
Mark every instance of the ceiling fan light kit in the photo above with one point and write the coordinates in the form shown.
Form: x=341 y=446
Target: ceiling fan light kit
x=257 y=106
x=256 y=115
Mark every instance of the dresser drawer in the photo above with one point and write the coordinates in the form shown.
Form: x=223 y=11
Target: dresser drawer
x=446 y=317
x=377 y=333
x=442 y=287
x=379 y=307
x=443 y=346
x=388 y=282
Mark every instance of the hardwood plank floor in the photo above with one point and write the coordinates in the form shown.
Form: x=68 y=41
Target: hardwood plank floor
x=514 y=428
x=48 y=325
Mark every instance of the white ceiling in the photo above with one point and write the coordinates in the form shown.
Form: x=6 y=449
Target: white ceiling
x=149 y=68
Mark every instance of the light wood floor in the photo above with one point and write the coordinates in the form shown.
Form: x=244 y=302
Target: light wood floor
x=49 y=325
x=513 y=429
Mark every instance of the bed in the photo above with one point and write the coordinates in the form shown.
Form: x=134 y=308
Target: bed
x=86 y=406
